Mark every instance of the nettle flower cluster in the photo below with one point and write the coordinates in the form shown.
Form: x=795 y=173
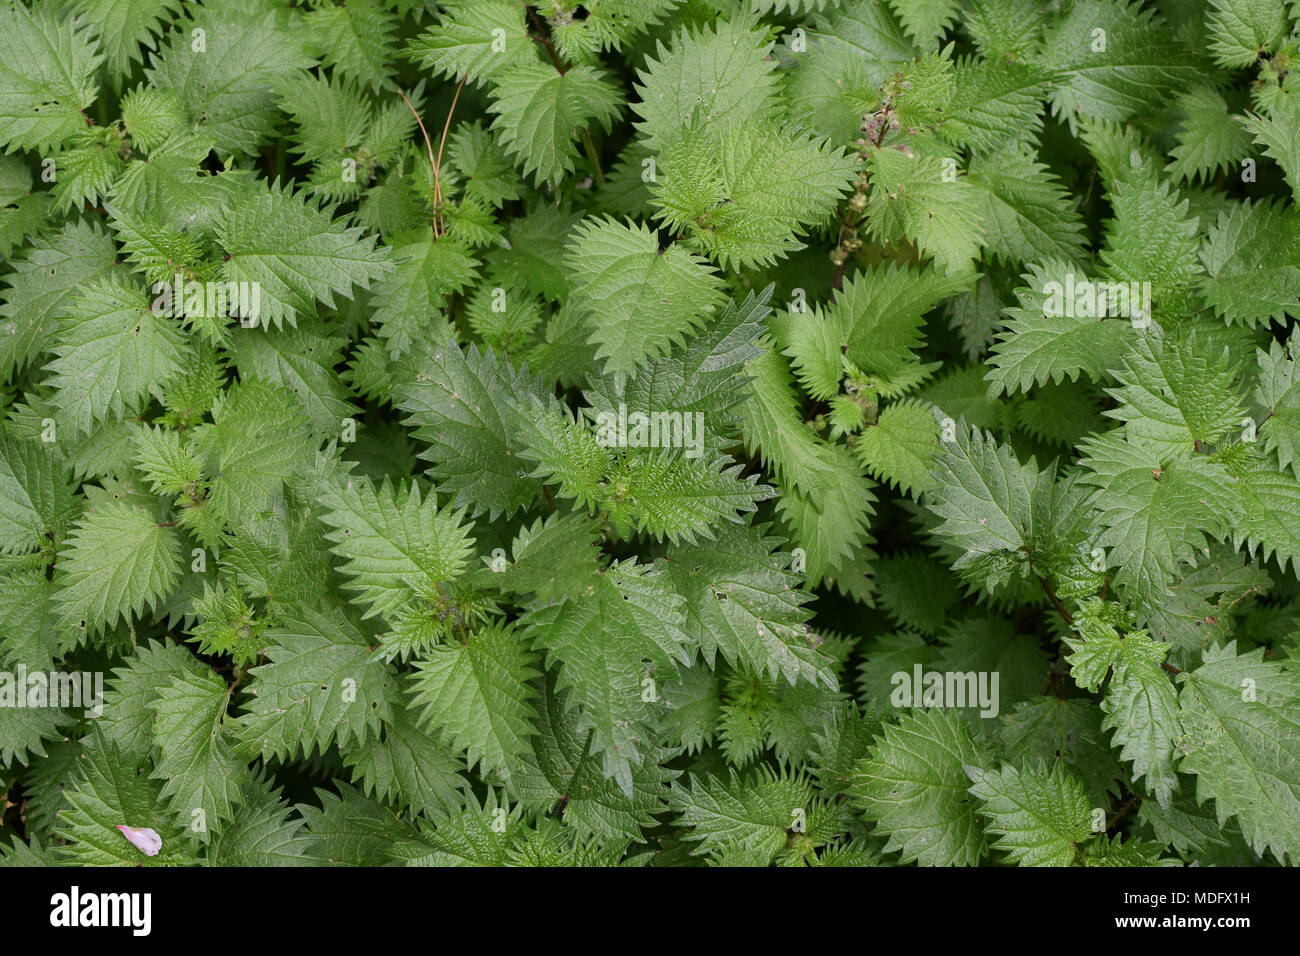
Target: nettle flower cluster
x=826 y=432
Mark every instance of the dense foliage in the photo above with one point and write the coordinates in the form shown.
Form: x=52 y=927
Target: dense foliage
x=499 y=433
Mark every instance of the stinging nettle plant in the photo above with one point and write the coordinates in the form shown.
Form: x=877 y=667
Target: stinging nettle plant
x=742 y=432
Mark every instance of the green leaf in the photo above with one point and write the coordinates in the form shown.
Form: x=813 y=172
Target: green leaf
x=1153 y=239
x=152 y=117
x=925 y=20
x=42 y=286
x=539 y=112
x=637 y=300
x=1252 y=263
x=817 y=479
x=991 y=645
x=398 y=547
x=484 y=166
x=880 y=311
x=1279 y=134
x=357 y=39
x=853 y=49
x=227 y=83
x=994 y=103
x=561 y=772
x=566 y=452
x=1139 y=701
x=466 y=41
x=744 y=193
x=1200 y=609
x=477 y=693
x=1006 y=28
x=912 y=198
x=409 y=305
x=555 y=558
x=409 y=767
x=112 y=789
x=900 y=447
x=1128 y=68
x=916 y=591
x=1279 y=392
x=262 y=833
x=197 y=761
x=87 y=173
x=721 y=74
x=463 y=406
x=258 y=438
x=1237 y=712
x=128 y=719
x=347 y=829
x=114 y=352
x=18 y=853
x=1108 y=851
x=321 y=685
x=1069 y=731
x=913 y=787
x=708 y=376
x=295 y=254
x=612 y=24
x=1177 y=393
x=742 y=601
x=27 y=621
x=36 y=497
x=677 y=497
x=1183 y=824
x=987 y=498
x=1038 y=817
x=1210 y=140
x=22 y=211
x=47 y=69
x=118 y=561
x=632 y=620
x=1027 y=215
x=23 y=730
x=1263 y=502
x=1154 y=512
x=302 y=361
x=1241 y=31
x=1048 y=337
x=124 y=26
x=746 y=817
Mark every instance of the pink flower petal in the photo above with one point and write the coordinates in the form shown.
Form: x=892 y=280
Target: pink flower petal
x=147 y=841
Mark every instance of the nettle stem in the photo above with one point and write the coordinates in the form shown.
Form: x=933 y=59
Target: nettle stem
x=588 y=145
x=544 y=38
x=875 y=126
x=1068 y=618
x=1056 y=601
x=590 y=148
